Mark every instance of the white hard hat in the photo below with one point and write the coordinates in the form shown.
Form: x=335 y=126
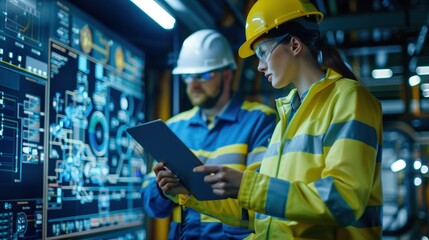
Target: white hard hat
x=204 y=51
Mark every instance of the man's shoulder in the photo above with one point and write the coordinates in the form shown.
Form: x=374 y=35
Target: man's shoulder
x=183 y=116
x=251 y=106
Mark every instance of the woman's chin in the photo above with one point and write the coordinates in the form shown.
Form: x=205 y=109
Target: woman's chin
x=276 y=85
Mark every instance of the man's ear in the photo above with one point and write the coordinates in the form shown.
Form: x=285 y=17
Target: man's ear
x=228 y=78
x=227 y=74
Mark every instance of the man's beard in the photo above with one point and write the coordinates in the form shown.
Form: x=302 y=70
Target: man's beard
x=210 y=102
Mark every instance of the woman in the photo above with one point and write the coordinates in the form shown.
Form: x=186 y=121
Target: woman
x=321 y=175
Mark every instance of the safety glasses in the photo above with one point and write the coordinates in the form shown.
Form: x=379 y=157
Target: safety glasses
x=264 y=49
x=203 y=77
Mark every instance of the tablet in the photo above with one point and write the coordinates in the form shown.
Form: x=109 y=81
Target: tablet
x=159 y=141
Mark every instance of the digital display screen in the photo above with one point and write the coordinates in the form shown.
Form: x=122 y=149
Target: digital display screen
x=23 y=36
x=94 y=171
x=22 y=154
x=69 y=88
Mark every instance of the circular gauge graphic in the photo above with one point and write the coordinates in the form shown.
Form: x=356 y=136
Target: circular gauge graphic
x=127 y=104
x=86 y=39
x=21 y=224
x=119 y=59
x=123 y=143
x=98 y=133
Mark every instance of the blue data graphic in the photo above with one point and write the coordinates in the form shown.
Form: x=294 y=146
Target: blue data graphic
x=69 y=88
x=92 y=164
x=23 y=39
x=22 y=154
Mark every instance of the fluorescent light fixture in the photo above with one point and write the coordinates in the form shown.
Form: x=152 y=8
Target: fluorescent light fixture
x=414 y=80
x=425 y=93
x=424 y=169
x=417 y=181
x=417 y=164
x=425 y=86
x=156 y=12
x=381 y=73
x=422 y=70
x=398 y=165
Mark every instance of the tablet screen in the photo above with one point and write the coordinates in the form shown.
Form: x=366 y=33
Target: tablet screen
x=159 y=141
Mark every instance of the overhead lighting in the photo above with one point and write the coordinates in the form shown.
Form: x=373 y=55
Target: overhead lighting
x=424 y=169
x=414 y=80
x=422 y=70
x=382 y=73
x=417 y=181
x=398 y=165
x=156 y=12
x=417 y=164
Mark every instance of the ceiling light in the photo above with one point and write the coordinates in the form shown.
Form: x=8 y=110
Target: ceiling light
x=414 y=80
x=422 y=70
x=381 y=73
x=425 y=93
x=425 y=86
x=424 y=169
x=398 y=165
x=417 y=164
x=156 y=12
x=417 y=181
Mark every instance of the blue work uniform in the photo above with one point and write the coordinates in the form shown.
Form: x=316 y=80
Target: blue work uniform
x=238 y=138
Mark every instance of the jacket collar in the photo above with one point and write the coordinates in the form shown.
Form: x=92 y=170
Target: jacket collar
x=330 y=78
x=229 y=114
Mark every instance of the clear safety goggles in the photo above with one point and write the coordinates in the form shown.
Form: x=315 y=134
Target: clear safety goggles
x=202 y=77
x=264 y=49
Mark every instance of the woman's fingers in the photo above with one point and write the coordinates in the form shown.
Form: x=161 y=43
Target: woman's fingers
x=166 y=176
x=207 y=168
x=166 y=180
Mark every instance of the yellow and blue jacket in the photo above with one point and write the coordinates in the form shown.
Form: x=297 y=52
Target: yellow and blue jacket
x=238 y=139
x=321 y=174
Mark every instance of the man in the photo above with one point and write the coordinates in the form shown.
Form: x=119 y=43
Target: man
x=222 y=128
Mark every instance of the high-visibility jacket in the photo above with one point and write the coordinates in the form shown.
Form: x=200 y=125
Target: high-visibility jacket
x=238 y=139
x=321 y=175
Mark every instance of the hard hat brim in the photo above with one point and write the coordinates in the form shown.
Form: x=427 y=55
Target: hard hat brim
x=245 y=49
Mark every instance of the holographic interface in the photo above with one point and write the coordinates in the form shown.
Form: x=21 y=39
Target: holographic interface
x=69 y=88
x=94 y=173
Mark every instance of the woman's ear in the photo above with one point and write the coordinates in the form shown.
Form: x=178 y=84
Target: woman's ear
x=296 y=45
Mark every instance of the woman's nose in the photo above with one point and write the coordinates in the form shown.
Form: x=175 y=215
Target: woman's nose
x=262 y=66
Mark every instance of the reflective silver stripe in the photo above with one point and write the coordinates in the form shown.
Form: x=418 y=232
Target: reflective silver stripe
x=278 y=192
x=338 y=207
x=352 y=130
x=304 y=143
x=314 y=144
x=273 y=150
x=232 y=158
x=255 y=157
x=371 y=217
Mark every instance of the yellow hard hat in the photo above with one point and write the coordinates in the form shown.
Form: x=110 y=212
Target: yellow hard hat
x=268 y=14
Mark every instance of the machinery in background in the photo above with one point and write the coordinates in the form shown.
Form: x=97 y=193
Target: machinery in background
x=405 y=167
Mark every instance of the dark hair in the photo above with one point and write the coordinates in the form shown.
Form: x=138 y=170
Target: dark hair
x=311 y=37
